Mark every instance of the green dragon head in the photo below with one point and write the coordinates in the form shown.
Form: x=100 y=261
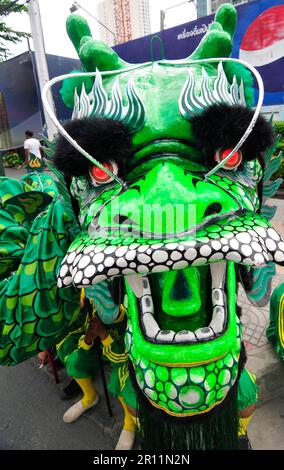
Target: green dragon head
x=173 y=229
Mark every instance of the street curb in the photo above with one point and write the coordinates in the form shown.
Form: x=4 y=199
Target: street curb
x=269 y=371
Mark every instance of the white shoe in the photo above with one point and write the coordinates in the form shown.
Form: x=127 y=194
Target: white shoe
x=126 y=440
x=73 y=413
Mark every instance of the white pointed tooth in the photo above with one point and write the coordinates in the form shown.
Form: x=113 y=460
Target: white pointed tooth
x=136 y=284
x=218 y=319
x=185 y=336
x=218 y=297
x=165 y=336
x=147 y=304
x=146 y=286
x=218 y=271
x=204 y=333
x=150 y=325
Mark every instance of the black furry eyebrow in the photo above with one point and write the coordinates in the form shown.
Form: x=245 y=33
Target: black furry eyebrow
x=221 y=126
x=104 y=139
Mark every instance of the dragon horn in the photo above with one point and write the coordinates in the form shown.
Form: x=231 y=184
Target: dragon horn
x=218 y=40
x=94 y=54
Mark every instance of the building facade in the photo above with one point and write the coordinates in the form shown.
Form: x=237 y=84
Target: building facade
x=207 y=7
x=5 y=134
x=20 y=97
x=124 y=20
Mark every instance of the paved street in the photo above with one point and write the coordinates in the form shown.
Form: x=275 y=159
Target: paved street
x=266 y=430
x=31 y=415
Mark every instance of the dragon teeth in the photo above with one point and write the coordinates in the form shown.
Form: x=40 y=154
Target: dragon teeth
x=185 y=336
x=146 y=286
x=218 y=274
x=165 y=336
x=136 y=284
x=150 y=325
x=147 y=304
x=218 y=320
x=218 y=297
x=218 y=271
x=152 y=329
x=204 y=333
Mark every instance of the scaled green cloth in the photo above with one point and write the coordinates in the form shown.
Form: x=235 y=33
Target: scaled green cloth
x=275 y=330
x=247 y=390
x=35 y=233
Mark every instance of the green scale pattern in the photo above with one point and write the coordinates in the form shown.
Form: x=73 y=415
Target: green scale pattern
x=34 y=313
x=185 y=391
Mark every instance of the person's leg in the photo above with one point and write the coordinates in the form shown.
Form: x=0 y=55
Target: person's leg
x=89 y=391
x=90 y=399
x=121 y=387
x=275 y=330
x=130 y=424
x=128 y=399
x=81 y=365
x=247 y=400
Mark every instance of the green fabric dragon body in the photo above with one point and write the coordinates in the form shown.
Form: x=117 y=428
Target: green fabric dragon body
x=180 y=270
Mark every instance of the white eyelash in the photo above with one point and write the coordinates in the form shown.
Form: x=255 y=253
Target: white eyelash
x=212 y=92
x=97 y=104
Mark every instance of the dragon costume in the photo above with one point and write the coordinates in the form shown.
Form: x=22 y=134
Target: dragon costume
x=165 y=172
x=275 y=330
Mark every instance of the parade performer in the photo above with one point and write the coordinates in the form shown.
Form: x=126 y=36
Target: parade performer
x=165 y=164
x=275 y=330
x=79 y=353
x=81 y=362
x=247 y=400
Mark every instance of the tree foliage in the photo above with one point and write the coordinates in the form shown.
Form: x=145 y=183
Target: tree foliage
x=8 y=34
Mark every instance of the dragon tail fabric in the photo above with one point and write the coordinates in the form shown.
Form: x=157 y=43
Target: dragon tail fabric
x=34 y=313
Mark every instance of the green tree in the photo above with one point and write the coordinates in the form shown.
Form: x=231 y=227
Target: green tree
x=8 y=34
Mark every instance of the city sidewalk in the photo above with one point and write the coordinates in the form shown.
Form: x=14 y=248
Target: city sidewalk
x=261 y=358
x=266 y=430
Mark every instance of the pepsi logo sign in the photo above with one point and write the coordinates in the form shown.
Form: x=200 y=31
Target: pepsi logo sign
x=263 y=42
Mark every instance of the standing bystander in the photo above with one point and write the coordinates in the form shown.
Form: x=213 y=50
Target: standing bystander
x=33 y=153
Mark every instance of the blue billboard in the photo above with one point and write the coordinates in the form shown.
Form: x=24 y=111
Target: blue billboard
x=20 y=98
x=259 y=40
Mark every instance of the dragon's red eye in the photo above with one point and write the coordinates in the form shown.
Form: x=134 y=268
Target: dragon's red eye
x=100 y=176
x=233 y=162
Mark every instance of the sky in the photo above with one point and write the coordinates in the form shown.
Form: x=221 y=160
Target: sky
x=55 y=12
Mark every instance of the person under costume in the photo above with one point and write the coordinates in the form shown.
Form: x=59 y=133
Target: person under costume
x=275 y=330
x=247 y=399
x=78 y=351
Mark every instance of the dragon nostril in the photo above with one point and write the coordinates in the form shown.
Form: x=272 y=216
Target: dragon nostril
x=195 y=181
x=121 y=219
x=214 y=208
